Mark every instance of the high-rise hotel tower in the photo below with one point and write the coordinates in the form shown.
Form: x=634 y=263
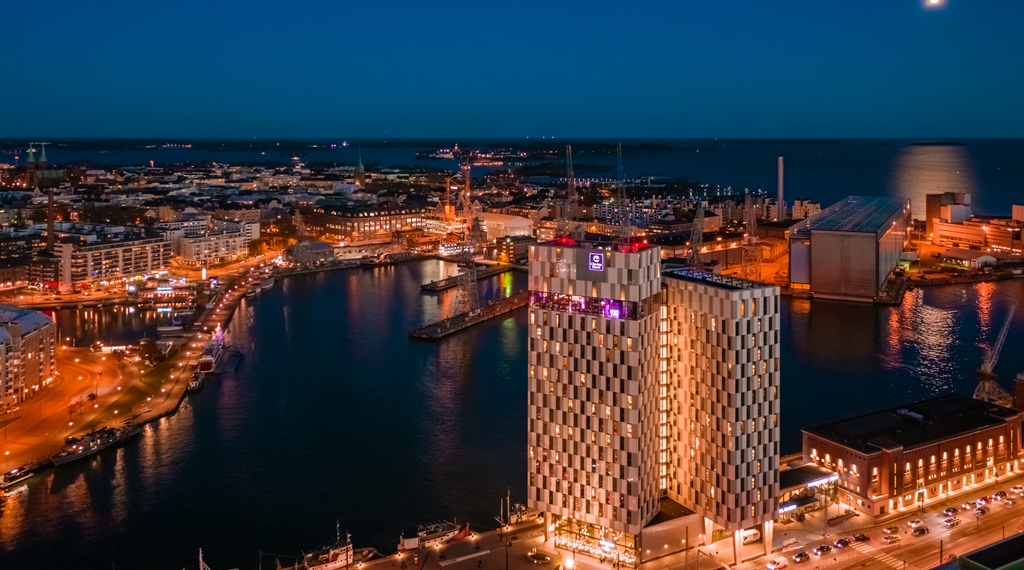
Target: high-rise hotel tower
x=644 y=390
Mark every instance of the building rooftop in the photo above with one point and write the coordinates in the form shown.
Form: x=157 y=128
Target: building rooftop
x=1001 y=554
x=801 y=476
x=365 y=211
x=601 y=241
x=713 y=279
x=914 y=425
x=866 y=214
x=29 y=320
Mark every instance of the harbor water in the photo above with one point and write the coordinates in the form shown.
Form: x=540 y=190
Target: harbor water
x=336 y=416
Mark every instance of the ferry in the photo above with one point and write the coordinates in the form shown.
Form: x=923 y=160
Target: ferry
x=93 y=442
x=335 y=555
x=432 y=535
x=210 y=357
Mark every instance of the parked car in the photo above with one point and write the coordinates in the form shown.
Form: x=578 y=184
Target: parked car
x=778 y=562
x=891 y=529
x=980 y=511
x=801 y=557
x=920 y=531
x=841 y=543
x=861 y=537
x=999 y=495
x=822 y=550
x=1017 y=489
x=950 y=522
x=1009 y=501
x=984 y=500
x=915 y=523
x=951 y=511
x=969 y=505
x=890 y=539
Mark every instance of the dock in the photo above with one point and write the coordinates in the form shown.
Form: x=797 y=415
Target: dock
x=453 y=281
x=441 y=329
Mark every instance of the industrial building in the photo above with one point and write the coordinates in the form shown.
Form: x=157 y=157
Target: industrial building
x=848 y=250
x=28 y=353
x=901 y=457
x=653 y=402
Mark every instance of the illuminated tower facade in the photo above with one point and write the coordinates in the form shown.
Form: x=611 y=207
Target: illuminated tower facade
x=722 y=347
x=593 y=370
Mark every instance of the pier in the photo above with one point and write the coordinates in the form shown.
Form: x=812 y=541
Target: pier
x=441 y=329
x=453 y=281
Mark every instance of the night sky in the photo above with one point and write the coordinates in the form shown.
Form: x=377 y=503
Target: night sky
x=565 y=68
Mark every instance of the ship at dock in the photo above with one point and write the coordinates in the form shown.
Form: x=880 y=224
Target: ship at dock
x=431 y=535
x=93 y=442
x=335 y=555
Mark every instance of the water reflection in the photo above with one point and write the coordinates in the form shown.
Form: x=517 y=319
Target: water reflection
x=932 y=169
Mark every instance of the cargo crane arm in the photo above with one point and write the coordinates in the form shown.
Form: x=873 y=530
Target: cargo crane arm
x=992 y=356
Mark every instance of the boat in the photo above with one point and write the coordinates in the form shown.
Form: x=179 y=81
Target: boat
x=15 y=476
x=432 y=535
x=335 y=555
x=210 y=356
x=93 y=442
x=196 y=382
x=252 y=291
x=267 y=282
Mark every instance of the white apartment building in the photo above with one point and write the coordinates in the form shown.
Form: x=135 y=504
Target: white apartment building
x=722 y=348
x=105 y=260
x=642 y=389
x=190 y=227
x=803 y=209
x=28 y=353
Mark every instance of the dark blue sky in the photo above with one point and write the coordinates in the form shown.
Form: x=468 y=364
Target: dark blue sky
x=566 y=68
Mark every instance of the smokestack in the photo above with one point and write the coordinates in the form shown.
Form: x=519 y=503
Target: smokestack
x=781 y=209
x=50 y=235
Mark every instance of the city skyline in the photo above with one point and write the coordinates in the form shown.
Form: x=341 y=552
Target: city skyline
x=405 y=70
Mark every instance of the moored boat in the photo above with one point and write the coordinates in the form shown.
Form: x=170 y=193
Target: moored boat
x=335 y=555
x=431 y=535
x=210 y=357
x=196 y=382
x=93 y=442
x=15 y=476
x=267 y=282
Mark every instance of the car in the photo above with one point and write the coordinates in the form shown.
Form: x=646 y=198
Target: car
x=985 y=500
x=801 y=557
x=822 y=550
x=1009 y=501
x=778 y=562
x=915 y=523
x=920 y=531
x=999 y=495
x=951 y=511
x=980 y=511
x=1017 y=489
x=890 y=539
x=861 y=537
x=950 y=522
x=841 y=543
x=969 y=505
x=891 y=529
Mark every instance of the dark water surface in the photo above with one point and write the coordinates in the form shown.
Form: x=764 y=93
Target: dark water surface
x=335 y=415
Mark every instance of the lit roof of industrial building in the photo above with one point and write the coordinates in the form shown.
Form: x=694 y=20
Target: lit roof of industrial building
x=914 y=425
x=866 y=214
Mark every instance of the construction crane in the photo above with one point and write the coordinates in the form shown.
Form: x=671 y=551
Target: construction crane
x=751 y=260
x=697 y=235
x=988 y=389
x=568 y=221
x=627 y=222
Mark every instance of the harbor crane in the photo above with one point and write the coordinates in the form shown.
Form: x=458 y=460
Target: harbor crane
x=988 y=389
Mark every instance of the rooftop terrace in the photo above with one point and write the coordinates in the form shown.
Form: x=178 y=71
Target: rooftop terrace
x=713 y=279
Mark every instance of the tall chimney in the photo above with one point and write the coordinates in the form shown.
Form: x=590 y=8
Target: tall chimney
x=780 y=211
x=50 y=234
